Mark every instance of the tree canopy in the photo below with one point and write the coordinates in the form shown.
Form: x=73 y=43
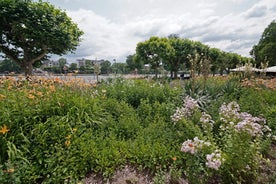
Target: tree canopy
x=32 y=30
x=265 y=50
x=175 y=53
x=154 y=51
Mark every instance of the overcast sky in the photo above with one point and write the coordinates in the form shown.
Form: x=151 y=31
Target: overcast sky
x=112 y=28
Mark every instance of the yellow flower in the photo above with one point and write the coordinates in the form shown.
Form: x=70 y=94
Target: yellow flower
x=68 y=137
x=67 y=143
x=4 y=129
x=74 y=129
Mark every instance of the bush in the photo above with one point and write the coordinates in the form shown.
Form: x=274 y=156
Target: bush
x=57 y=131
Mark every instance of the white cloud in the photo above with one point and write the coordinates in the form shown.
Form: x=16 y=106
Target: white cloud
x=220 y=24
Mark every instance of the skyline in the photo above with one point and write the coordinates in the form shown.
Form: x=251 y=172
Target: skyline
x=112 y=28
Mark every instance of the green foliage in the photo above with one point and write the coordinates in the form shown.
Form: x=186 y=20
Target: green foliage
x=175 y=53
x=134 y=91
x=265 y=50
x=9 y=66
x=105 y=67
x=154 y=51
x=32 y=30
x=58 y=131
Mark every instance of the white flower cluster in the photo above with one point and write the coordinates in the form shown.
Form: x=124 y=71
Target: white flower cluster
x=189 y=106
x=214 y=160
x=206 y=120
x=250 y=124
x=190 y=103
x=229 y=112
x=179 y=114
x=194 y=146
x=241 y=121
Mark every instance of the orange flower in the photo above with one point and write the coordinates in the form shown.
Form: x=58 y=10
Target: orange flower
x=8 y=171
x=174 y=158
x=4 y=129
x=31 y=96
x=2 y=97
x=39 y=94
x=52 y=88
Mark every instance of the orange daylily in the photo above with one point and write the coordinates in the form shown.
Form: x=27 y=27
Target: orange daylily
x=4 y=129
x=31 y=96
x=2 y=97
x=8 y=171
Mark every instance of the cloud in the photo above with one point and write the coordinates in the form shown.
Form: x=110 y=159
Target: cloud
x=256 y=11
x=219 y=24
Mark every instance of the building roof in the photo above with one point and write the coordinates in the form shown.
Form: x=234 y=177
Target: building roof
x=271 y=69
x=243 y=68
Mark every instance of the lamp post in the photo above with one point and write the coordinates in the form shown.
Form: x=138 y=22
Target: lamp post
x=115 y=67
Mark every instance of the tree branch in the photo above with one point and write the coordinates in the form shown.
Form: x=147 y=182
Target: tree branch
x=10 y=54
x=41 y=55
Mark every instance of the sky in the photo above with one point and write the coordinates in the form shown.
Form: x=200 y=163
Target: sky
x=112 y=28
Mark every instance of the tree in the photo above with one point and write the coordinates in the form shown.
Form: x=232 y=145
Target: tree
x=73 y=67
x=105 y=67
x=214 y=54
x=9 y=66
x=62 y=64
x=88 y=64
x=133 y=64
x=120 y=68
x=154 y=51
x=182 y=48
x=265 y=50
x=32 y=30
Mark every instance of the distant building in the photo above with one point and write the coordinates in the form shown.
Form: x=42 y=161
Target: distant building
x=83 y=61
x=50 y=63
x=80 y=62
x=97 y=61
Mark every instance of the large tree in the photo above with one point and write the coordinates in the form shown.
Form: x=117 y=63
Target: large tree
x=154 y=51
x=265 y=50
x=32 y=30
x=182 y=48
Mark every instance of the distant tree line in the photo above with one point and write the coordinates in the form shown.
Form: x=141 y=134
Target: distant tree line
x=265 y=50
x=175 y=53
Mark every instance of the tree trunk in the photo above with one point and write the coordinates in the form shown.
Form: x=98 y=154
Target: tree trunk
x=175 y=74
x=156 y=72
x=28 y=69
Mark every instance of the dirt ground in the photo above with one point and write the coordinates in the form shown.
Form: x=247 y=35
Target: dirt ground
x=130 y=175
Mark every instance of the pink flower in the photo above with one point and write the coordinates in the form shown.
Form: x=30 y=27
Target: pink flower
x=189 y=106
x=214 y=160
x=194 y=146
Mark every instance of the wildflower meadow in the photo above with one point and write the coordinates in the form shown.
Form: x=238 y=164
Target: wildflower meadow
x=215 y=130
